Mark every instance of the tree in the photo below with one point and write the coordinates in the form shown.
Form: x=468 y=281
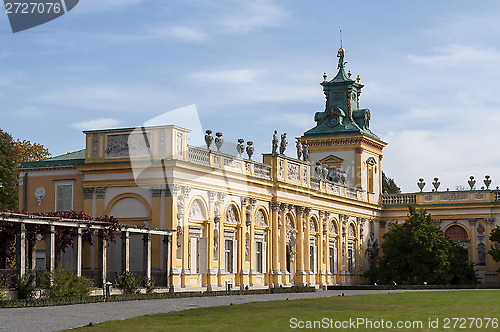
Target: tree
x=389 y=186
x=495 y=246
x=416 y=252
x=12 y=154
x=8 y=176
x=31 y=151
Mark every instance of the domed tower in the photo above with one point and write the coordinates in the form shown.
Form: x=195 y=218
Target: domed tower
x=342 y=138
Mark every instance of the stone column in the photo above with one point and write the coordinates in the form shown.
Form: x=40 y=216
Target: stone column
x=77 y=251
x=221 y=217
x=211 y=275
x=361 y=264
x=345 y=245
x=167 y=248
x=156 y=202
x=31 y=250
x=275 y=268
x=324 y=249
x=307 y=247
x=241 y=236
x=283 y=260
x=185 y=238
x=319 y=246
x=88 y=201
x=50 y=249
x=299 y=262
x=103 y=257
x=100 y=208
x=21 y=248
x=172 y=214
x=472 y=241
x=125 y=242
x=251 y=224
x=147 y=255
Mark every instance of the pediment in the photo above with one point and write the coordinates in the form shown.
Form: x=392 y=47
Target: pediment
x=371 y=161
x=332 y=161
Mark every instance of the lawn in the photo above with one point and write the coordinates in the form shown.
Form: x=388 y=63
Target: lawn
x=471 y=310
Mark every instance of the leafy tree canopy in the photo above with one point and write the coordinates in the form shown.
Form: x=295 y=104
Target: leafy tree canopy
x=12 y=153
x=417 y=252
x=8 y=176
x=31 y=151
x=495 y=244
x=389 y=186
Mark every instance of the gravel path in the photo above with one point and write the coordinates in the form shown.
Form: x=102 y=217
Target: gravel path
x=66 y=317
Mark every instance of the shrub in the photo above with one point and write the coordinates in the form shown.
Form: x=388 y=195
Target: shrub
x=149 y=284
x=24 y=285
x=65 y=283
x=127 y=282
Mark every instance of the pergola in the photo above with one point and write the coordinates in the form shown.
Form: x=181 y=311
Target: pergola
x=25 y=248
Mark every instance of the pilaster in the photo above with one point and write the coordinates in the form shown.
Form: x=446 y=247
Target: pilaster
x=472 y=247
x=275 y=267
x=307 y=246
x=283 y=260
x=358 y=168
x=156 y=202
x=299 y=275
x=21 y=248
x=185 y=274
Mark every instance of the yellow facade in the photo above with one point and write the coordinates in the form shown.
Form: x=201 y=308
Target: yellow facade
x=243 y=223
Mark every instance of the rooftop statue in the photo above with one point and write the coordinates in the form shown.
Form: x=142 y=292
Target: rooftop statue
x=299 y=149
x=275 y=142
x=283 y=144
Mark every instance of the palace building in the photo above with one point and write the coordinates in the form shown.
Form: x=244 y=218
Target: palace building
x=310 y=220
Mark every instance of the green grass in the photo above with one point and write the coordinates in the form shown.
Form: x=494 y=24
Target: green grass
x=276 y=315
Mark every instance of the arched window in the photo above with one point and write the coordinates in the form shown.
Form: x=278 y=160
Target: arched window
x=457 y=233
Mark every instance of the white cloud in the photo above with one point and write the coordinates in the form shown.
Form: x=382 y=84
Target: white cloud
x=156 y=32
x=453 y=55
x=227 y=76
x=110 y=97
x=182 y=32
x=452 y=156
x=102 y=123
x=250 y=15
x=88 y=6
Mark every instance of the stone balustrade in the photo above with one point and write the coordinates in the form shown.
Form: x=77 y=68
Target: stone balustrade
x=399 y=199
x=293 y=172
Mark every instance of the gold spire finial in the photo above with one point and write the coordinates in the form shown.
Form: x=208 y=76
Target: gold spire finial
x=349 y=74
x=324 y=77
x=358 y=79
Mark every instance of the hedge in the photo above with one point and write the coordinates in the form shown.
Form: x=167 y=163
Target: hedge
x=44 y=302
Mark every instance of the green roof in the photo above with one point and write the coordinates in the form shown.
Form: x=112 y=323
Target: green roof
x=68 y=159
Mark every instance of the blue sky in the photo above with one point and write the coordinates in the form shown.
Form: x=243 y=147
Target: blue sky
x=430 y=68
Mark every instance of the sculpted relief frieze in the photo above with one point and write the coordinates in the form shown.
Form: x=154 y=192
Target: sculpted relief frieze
x=197 y=211
x=125 y=145
x=260 y=219
x=232 y=215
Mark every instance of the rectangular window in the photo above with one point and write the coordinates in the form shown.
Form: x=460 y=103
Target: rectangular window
x=313 y=257
x=258 y=256
x=64 y=196
x=333 y=259
x=350 y=257
x=228 y=255
x=193 y=255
